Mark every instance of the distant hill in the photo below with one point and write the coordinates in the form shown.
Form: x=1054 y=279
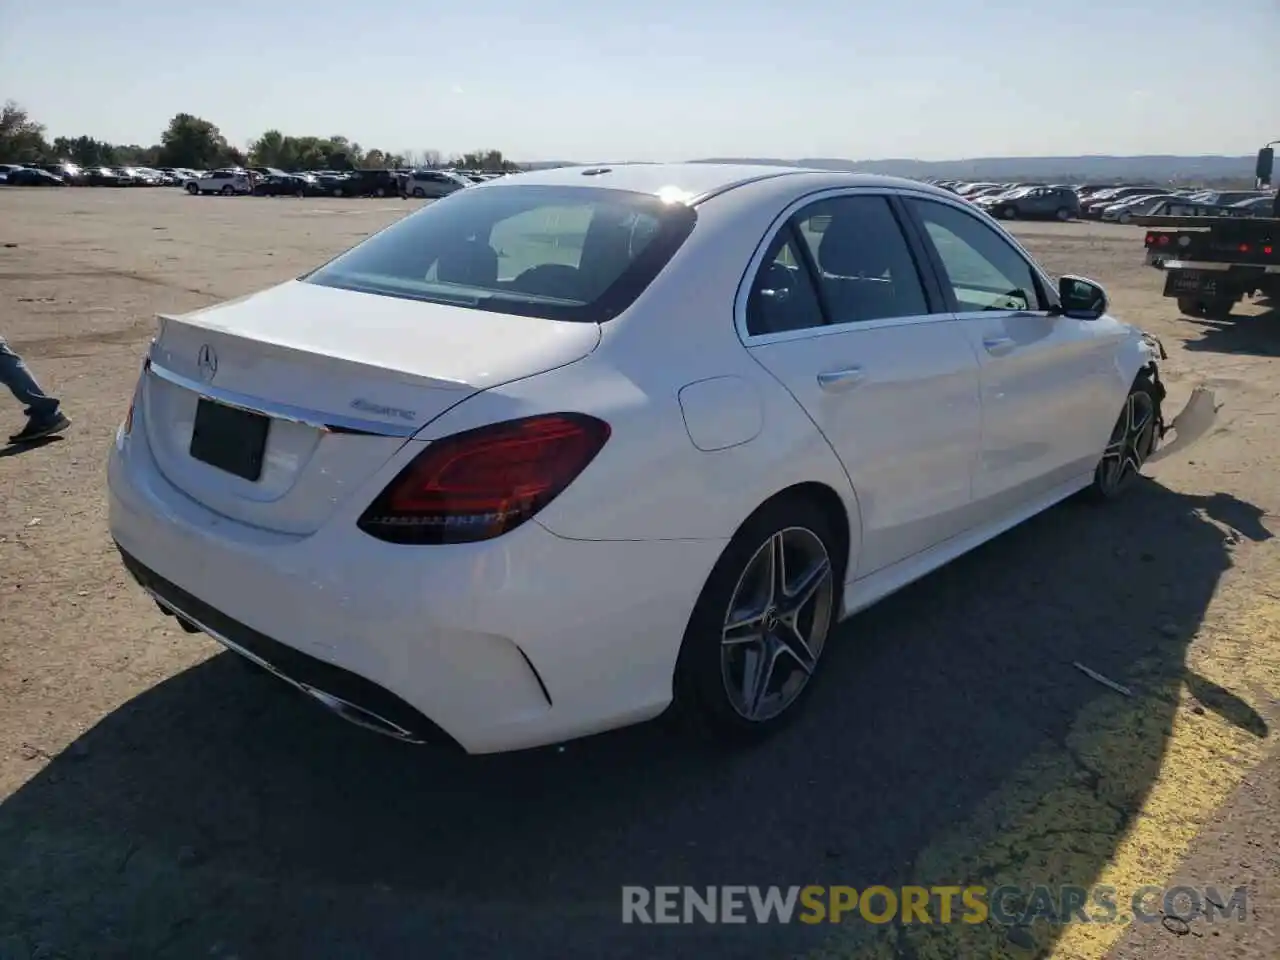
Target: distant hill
x=1084 y=169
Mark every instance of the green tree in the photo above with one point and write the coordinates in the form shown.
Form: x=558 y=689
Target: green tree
x=192 y=141
x=21 y=138
x=492 y=160
x=85 y=151
x=272 y=149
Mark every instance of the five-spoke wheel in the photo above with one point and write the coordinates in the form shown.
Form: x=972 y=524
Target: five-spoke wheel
x=1133 y=439
x=776 y=624
x=755 y=640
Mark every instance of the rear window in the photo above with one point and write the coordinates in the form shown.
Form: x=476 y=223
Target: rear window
x=560 y=253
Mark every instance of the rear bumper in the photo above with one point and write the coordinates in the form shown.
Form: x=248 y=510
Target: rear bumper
x=349 y=695
x=516 y=642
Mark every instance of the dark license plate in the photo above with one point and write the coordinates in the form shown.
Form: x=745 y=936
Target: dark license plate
x=230 y=439
x=1189 y=282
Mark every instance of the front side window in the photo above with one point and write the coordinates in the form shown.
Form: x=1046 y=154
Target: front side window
x=560 y=253
x=984 y=271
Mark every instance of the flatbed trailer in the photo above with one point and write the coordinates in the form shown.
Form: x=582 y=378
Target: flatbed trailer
x=1211 y=263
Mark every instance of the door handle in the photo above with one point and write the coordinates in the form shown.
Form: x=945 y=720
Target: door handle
x=835 y=381
x=999 y=346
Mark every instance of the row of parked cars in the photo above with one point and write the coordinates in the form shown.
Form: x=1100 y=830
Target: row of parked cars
x=260 y=181
x=1108 y=202
x=67 y=174
x=269 y=182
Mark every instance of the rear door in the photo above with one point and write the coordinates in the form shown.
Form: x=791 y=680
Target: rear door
x=838 y=311
x=1039 y=202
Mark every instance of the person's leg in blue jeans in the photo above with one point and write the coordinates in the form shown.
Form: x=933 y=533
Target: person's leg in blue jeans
x=44 y=417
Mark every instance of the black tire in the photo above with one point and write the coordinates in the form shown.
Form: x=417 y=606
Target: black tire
x=193 y=189
x=1219 y=308
x=701 y=699
x=380 y=192
x=1062 y=214
x=1190 y=307
x=228 y=190
x=1009 y=213
x=1109 y=484
x=419 y=193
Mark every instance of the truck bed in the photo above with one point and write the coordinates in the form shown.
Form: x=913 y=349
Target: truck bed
x=1253 y=224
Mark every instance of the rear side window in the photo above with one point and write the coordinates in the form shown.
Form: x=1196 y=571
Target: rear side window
x=864 y=266
x=560 y=253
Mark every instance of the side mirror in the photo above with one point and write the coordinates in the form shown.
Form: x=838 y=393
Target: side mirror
x=1266 y=163
x=1081 y=299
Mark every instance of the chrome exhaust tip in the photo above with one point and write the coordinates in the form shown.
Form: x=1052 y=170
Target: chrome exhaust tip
x=358 y=715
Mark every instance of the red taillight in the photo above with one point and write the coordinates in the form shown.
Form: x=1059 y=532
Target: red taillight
x=480 y=484
x=1244 y=248
x=1164 y=240
x=1267 y=251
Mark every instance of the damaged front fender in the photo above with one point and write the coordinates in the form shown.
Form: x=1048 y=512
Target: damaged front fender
x=1195 y=420
x=1153 y=347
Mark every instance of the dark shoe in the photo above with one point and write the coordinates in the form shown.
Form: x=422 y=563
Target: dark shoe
x=39 y=429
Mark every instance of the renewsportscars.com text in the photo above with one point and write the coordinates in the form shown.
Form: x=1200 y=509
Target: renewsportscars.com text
x=1005 y=905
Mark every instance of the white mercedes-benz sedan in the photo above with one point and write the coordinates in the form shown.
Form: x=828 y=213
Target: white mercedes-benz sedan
x=565 y=449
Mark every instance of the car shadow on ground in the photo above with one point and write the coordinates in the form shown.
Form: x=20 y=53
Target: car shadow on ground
x=1257 y=335
x=221 y=814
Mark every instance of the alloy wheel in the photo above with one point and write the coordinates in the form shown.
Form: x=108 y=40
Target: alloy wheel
x=776 y=624
x=1130 y=443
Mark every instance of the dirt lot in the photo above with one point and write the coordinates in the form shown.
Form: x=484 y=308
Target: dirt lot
x=162 y=800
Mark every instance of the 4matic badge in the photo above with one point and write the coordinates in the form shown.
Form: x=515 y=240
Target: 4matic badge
x=368 y=406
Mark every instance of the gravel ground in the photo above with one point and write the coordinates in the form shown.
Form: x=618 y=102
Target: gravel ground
x=158 y=799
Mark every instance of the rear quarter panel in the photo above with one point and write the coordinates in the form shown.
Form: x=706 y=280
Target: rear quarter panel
x=651 y=481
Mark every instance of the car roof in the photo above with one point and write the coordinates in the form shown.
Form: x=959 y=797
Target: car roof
x=694 y=181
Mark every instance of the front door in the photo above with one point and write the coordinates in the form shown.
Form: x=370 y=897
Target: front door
x=838 y=314
x=1043 y=375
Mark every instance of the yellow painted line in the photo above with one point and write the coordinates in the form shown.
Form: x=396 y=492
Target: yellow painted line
x=1060 y=819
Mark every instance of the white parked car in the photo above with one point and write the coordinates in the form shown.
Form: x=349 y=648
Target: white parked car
x=1130 y=207
x=226 y=182
x=433 y=184
x=553 y=453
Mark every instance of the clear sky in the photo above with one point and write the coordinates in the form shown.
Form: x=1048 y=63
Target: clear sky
x=662 y=79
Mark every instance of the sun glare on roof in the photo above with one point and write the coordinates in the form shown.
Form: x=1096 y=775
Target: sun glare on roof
x=674 y=195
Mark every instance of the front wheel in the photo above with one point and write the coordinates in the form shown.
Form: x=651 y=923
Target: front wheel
x=755 y=639
x=1133 y=439
x=1062 y=214
x=1009 y=213
x=1125 y=217
x=228 y=190
x=193 y=189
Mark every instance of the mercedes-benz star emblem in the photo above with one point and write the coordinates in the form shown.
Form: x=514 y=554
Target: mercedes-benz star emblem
x=207 y=363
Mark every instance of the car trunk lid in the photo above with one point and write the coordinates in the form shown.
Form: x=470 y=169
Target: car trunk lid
x=274 y=408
